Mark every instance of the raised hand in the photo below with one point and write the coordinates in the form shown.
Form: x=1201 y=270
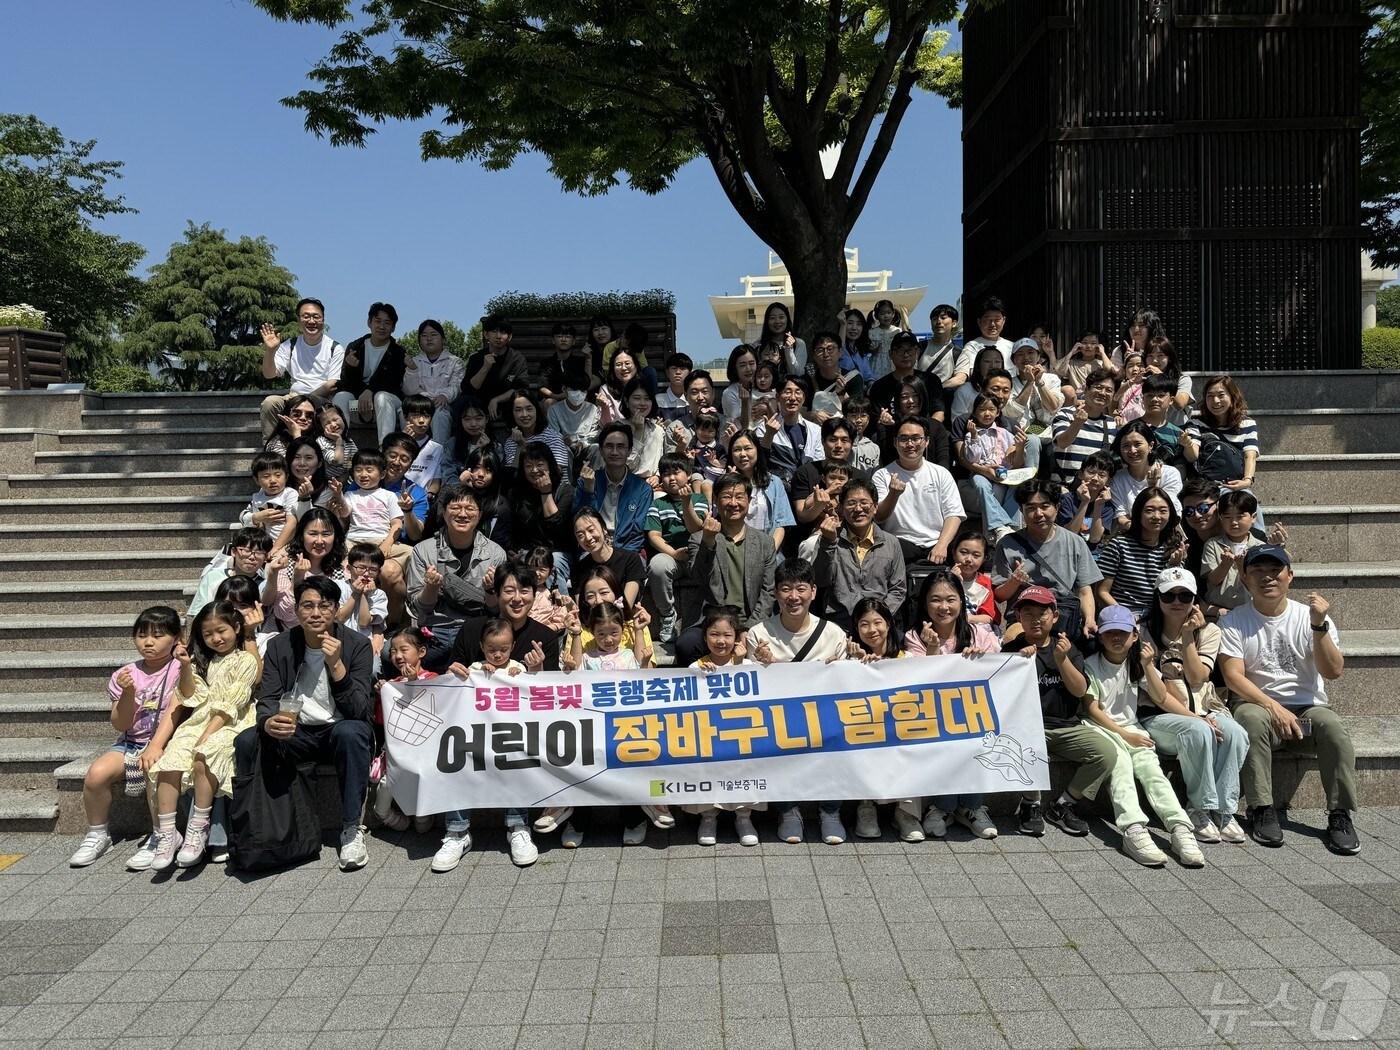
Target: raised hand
x=886 y=417
x=1195 y=619
x=763 y=654
x=587 y=474
x=710 y=529
x=1147 y=651
x=640 y=618
x=971 y=430
x=830 y=527
x=182 y=654
x=330 y=648
x=432 y=577
x=126 y=680
x=1317 y=608
x=1278 y=534
x=278 y=561
x=406 y=499
x=270 y=339
x=253 y=618
x=929 y=637
x=293 y=427
x=301 y=568
x=488 y=579
x=1062 y=646
x=534 y=659
x=897 y=484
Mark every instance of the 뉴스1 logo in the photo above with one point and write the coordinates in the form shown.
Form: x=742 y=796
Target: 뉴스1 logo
x=662 y=788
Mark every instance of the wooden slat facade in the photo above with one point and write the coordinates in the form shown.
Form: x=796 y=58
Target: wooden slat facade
x=31 y=359
x=1200 y=157
x=531 y=336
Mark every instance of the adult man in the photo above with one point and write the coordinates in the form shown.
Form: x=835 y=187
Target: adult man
x=940 y=354
x=313 y=361
x=621 y=497
x=1086 y=427
x=496 y=370
x=371 y=382
x=855 y=559
x=437 y=375
x=796 y=636
x=728 y=569
x=810 y=500
x=1277 y=656
x=904 y=357
x=919 y=501
x=329 y=668
x=1046 y=555
x=1062 y=683
x=446 y=573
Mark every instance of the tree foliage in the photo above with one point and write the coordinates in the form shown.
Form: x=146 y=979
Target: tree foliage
x=202 y=307
x=582 y=304
x=52 y=193
x=455 y=341
x=1380 y=138
x=631 y=91
x=1388 y=307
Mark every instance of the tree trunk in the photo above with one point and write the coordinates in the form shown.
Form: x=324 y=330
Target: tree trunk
x=818 y=273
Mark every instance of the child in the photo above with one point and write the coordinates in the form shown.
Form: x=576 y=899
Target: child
x=426 y=471
x=497 y=640
x=1086 y=506
x=142 y=713
x=1074 y=368
x=670 y=402
x=366 y=608
x=969 y=555
x=988 y=450
x=1157 y=393
x=605 y=621
x=216 y=684
x=576 y=418
x=764 y=398
x=371 y=514
x=884 y=324
x=1128 y=401
x=247 y=555
x=834 y=476
x=242 y=592
x=549 y=608
x=1223 y=554
x=865 y=453
x=1124 y=666
x=675 y=514
x=336 y=444
x=274 y=506
x=407 y=650
x=711 y=461
x=566 y=359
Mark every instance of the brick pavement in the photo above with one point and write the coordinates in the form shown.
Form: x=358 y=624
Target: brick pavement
x=1017 y=942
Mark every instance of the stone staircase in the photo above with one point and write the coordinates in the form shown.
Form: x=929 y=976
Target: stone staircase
x=110 y=503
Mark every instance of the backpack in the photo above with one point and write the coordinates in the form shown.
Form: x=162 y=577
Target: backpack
x=1219 y=460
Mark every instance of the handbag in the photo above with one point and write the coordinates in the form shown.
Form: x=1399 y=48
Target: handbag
x=1219 y=460
x=272 y=818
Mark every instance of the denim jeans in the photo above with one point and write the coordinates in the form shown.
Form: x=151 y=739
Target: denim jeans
x=999 y=508
x=459 y=820
x=440 y=648
x=1210 y=767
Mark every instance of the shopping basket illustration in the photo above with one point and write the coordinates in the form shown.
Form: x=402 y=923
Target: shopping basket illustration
x=411 y=718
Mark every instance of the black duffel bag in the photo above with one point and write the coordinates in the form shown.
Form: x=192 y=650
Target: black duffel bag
x=272 y=818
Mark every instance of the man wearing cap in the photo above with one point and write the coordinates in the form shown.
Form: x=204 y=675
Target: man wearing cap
x=1044 y=554
x=1277 y=656
x=1063 y=685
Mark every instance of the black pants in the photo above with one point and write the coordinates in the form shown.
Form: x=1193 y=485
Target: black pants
x=349 y=744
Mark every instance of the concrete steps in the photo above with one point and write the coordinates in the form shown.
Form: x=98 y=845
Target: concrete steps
x=1328 y=478
x=1328 y=430
x=29 y=809
x=1348 y=532
x=191 y=484
x=242 y=401
x=216 y=438
x=91 y=567
x=29 y=762
x=156 y=508
x=90 y=597
x=39 y=632
x=1368 y=684
x=1362 y=594
x=100 y=536
x=84 y=461
x=79 y=716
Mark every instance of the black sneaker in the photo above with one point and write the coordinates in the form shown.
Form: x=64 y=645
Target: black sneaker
x=1341 y=835
x=1264 y=828
x=1028 y=815
x=1064 y=817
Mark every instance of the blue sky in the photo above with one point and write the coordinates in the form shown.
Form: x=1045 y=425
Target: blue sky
x=187 y=95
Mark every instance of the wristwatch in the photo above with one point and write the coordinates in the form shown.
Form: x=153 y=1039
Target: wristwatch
x=1320 y=629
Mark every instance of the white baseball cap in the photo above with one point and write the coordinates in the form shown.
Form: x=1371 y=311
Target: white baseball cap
x=1174 y=577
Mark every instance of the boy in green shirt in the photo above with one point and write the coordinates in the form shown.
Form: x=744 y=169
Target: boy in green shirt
x=675 y=514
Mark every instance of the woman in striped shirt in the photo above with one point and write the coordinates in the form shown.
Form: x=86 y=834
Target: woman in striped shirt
x=1225 y=415
x=1132 y=560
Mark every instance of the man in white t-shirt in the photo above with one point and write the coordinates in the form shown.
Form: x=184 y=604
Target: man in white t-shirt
x=919 y=501
x=991 y=321
x=1277 y=656
x=311 y=359
x=796 y=636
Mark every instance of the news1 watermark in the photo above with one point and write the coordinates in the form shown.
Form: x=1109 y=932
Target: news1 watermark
x=1348 y=1005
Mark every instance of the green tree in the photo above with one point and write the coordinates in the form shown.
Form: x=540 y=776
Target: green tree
x=1380 y=137
x=1388 y=307
x=51 y=195
x=455 y=341
x=633 y=91
x=199 y=317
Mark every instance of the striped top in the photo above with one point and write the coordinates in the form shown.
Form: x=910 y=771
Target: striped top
x=1134 y=568
x=1096 y=435
x=1244 y=437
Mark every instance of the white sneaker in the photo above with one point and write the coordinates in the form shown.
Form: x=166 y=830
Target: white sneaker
x=1203 y=825
x=449 y=854
x=636 y=834
x=1138 y=844
x=571 y=837
x=867 y=821
x=423 y=825
x=833 y=831
x=1001 y=532
x=660 y=816
x=935 y=823
x=192 y=852
x=353 y=852
x=743 y=827
x=141 y=859
x=552 y=817
x=908 y=827
x=1230 y=830
x=95 y=844
x=522 y=848
x=170 y=842
x=977 y=822
x=709 y=825
x=1185 y=848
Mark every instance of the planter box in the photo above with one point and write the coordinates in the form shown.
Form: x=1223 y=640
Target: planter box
x=532 y=336
x=31 y=359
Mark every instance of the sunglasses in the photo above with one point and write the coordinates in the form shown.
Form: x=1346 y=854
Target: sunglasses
x=1178 y=597
x=1199 y=509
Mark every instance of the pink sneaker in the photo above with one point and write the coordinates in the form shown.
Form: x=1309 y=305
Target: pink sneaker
x=167 y=842
x=192 y=852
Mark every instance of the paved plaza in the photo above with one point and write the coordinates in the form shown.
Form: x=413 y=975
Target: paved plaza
x=1017 y=942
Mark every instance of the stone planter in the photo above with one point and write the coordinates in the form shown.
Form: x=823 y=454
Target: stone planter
x=31 y=359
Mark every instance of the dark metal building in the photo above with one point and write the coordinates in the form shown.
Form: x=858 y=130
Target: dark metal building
x=1200 y=157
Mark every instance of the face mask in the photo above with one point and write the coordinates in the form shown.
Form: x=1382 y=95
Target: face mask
x=575 y=397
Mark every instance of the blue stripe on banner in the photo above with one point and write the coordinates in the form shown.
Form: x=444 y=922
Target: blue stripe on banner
x=770 y=728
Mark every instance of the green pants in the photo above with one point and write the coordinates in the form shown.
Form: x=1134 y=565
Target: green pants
x=1134 y=766
x=1336 y=759
x=1093 y=753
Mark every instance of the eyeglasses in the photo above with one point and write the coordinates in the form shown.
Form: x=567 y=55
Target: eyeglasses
x=862 y=505
x=1178 y=597
x=1199 y=509
x=910 y=439
x=316 y=606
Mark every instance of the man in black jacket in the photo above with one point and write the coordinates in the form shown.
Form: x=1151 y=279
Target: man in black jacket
x=371 y=380
x=315 y=702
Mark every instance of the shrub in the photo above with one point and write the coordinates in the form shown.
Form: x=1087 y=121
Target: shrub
x=583 y=304
x=22 y=315
x=119 y=377
x=1380 y=348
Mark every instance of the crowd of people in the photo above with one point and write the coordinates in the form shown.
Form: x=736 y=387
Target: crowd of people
x=867 y=496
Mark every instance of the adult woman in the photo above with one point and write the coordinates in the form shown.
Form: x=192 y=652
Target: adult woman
x=1036 y=391
x=298 y=420
x=1136 y=448
x=470 y=433
x=734 y=402
x=622 y=369
x=307 y=474
x=542 y=508
x=597 y=548
x=648 y=431
x=944 y=629
x=1193 y=724
x=829 y=386
x=600 y=334
x=1161 y=359
x=531 y=424
x=912 y=399
x=1143 y=327
x=790 y=438
x=769 y=508
x=857 y=350
x=317 y=549
x=482 y=474
x=778 y=343
x=1224 y=420
x=1132 y=561
x=988 y=358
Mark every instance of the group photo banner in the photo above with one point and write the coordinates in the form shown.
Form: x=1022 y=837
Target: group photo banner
x=927 y=725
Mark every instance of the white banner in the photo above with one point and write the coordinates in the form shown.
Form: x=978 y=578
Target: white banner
x=927 y=725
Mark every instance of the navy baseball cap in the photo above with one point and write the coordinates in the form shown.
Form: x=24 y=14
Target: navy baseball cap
x=1267 y=552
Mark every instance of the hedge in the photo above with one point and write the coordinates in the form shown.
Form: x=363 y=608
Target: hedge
x=119 y=377
x=1380 y=348
x=583 y=304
